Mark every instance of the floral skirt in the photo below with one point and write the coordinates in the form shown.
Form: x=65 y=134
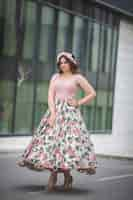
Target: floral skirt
x=65 y=146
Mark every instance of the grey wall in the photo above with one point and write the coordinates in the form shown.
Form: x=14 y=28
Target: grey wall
x=120 y=142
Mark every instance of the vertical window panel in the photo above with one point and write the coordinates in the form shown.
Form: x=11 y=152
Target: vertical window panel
x=78 y=28
x=7 y=50
x=6 y=106
x=64 y=31
x=24 y=98
x=9 y=29
x=29 y=31
x=101 y=107
x=95 y=47
x=47 y=34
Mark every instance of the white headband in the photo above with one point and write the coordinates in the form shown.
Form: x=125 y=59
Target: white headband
x=68 y=55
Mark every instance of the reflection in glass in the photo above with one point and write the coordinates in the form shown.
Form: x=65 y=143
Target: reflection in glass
x=95 y=47
x=9 y=29
x=93 y=42
x=6 y=106
x=77 y=37
x=64 y=31
x=41 y=102
x=30 y=30
x=24 y=101
x=47 y=36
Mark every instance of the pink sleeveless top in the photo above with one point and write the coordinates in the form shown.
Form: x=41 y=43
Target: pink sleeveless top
x=65 y=88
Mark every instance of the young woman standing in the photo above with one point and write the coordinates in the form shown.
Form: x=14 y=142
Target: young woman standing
x=62 y=142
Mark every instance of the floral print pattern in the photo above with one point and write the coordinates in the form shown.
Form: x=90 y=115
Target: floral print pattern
x=66 y=145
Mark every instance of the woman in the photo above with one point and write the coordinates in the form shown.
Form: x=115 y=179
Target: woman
x=62 y=142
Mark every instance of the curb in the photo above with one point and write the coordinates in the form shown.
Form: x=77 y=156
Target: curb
x=114 y=157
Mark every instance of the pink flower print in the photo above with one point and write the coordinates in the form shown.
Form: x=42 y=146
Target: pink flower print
x=47 y=164
x=36 y=141
x=59 y=156
x=62 y=120
x=71 y=152
x=61 y=134
x=43 y=120
x=29 y=148
x=63 y=166
x=47 y=130
x=57 y=151
x=43 y=156
x=76 y=131
x=92 y=156
x=71 y=123
x=40 y=141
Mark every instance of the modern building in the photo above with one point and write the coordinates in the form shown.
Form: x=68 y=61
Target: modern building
x=100 y=35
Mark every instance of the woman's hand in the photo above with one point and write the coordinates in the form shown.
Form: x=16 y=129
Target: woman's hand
x=73 y=102
x=51 y=120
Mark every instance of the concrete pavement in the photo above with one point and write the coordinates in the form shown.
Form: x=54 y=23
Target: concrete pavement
x=113 y=181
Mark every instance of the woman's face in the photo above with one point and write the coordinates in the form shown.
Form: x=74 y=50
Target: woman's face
x=64 y=65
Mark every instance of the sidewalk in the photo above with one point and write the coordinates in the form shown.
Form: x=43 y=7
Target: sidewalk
x=113 y=181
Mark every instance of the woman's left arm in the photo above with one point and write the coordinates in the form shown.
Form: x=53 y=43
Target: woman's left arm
x=87 y=88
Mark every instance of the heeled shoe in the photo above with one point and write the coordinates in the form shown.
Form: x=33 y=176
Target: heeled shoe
x=20 y=163
x=52 y=182
x=91 y=170
x=68 y=182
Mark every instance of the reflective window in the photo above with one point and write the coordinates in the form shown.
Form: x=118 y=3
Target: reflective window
x=49 y=29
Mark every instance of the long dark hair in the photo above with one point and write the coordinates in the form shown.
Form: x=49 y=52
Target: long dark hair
x=73 y=67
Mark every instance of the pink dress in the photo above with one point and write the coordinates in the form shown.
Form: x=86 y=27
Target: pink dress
x=66 y=145
x=64 y=88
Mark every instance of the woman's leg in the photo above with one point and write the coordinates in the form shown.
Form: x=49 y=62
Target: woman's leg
x=68 y=179
x=52 y=180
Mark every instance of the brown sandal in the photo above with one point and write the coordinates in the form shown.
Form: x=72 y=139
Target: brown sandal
x=20 y=163
x=91 y=170
x=68 y=182
x=52 y=181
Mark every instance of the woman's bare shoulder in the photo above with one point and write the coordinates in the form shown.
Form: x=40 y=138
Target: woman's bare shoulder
x=79 y=76
x=54 y=76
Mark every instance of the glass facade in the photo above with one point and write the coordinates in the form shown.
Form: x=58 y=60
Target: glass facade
x=49 y=29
